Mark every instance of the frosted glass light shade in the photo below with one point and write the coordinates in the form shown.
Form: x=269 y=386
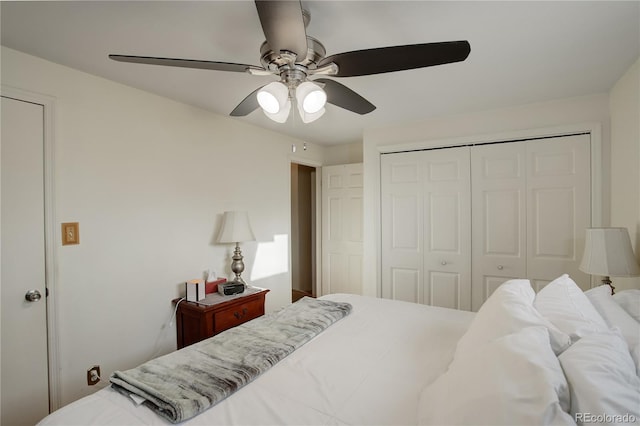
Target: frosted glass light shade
x=311 y=98
x=273 y=97
x=308 y=118
x=235 y=228
x=608 y=252
x=282 y=115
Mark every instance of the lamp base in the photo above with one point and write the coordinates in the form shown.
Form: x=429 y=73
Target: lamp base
x=237 y=266
x=607 y=281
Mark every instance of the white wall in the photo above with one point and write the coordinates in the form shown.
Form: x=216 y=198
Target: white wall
x=625 y=161
x=148 y=179
x=474 y=126
x=343 y=154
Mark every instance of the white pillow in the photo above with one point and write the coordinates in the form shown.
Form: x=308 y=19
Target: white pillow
x=602 y=379
x=507 y=310
x=615 y=316
x=513 y=380
x=567 y=307
x=629 y=300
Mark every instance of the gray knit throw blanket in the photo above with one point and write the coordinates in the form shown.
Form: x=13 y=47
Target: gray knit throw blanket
x=184 y=383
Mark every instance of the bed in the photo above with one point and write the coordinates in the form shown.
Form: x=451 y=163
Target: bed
x=397 y=363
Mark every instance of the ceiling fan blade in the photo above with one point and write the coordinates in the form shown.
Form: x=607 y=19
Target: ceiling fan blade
x=247 y=106
x=397 y=58
x=283 y=26
x=185 y=63
x=340 y=95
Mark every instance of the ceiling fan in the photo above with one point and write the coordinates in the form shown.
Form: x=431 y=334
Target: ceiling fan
x=293 y=56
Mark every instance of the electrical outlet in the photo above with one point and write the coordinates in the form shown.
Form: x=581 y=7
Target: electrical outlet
x=93 y=375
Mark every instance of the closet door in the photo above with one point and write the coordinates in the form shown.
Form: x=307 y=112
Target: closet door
x=531 y=204
x=499 y=217
x=558 y=208
x=402 y=226
x=447 y=228
x=426 y=227
x=458 y=222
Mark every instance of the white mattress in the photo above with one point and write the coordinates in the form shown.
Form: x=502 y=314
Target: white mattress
x=368 y=368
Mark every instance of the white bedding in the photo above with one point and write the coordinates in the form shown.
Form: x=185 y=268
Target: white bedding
x=368 y=368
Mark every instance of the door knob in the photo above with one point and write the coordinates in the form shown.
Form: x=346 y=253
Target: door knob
x=33 y=296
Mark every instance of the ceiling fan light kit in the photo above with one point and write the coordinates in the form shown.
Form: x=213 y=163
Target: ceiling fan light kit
x=308 y=117
x=275 y=100
x=293 y=56
x=273 y=97
x=311 y=98
x=282 y=115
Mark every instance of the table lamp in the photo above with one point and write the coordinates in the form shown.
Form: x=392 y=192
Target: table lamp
x=607 y=252
x=236 y=229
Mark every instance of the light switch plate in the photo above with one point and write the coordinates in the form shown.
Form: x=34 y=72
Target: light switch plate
x=70 y=233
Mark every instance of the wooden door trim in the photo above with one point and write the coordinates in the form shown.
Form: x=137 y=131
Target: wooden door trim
x=316 y=286
x=48 y=104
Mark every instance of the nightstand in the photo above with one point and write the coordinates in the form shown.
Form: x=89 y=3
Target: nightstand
x=197 y=321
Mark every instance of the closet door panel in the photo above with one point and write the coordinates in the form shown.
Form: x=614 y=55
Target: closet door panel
x=458 y=222
x=447 y=229
x=446 y=290
x=405 y=284
x=490 y=283
x=402 y=227
x=499 y=215
x=559 y=207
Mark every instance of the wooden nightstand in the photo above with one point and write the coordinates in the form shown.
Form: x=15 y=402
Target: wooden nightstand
x=197 y=321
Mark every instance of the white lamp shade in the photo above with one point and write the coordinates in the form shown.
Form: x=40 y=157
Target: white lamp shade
x=607 y=252
x=273 y=97
x=308 y=117
x=282 y=115
x=235 y=228
x=311 y=98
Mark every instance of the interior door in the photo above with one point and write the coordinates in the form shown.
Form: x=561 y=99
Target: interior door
x=402 y=227
x=342 y=228
x=426 y=227
x=558 y=208
x=531 y=206
x=499 y=248
x=447 y=228
x=24 y=369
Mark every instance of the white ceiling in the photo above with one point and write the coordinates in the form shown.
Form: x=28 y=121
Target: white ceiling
x=521 y=52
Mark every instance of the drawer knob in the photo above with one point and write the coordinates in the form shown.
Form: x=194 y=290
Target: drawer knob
x=500 y=267
x=444 y=262
x=239 y=315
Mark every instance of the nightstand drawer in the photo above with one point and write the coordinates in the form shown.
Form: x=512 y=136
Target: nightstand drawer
x=196 y=321
x=237 y=314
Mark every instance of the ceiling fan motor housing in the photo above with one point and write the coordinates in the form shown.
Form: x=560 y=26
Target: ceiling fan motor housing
x=283 y=63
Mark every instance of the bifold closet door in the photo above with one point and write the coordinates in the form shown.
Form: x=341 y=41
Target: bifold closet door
x=531 y=206
x=426 y=227
x=558 y=208
x=499 y=217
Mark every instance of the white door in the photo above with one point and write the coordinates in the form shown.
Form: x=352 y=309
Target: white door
x=447 y=228
x=426 y=227
x=531 y=206
x=342 y=229
x=558 y=208
x=499 y=216
x=24 y=371
x=401 y=203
